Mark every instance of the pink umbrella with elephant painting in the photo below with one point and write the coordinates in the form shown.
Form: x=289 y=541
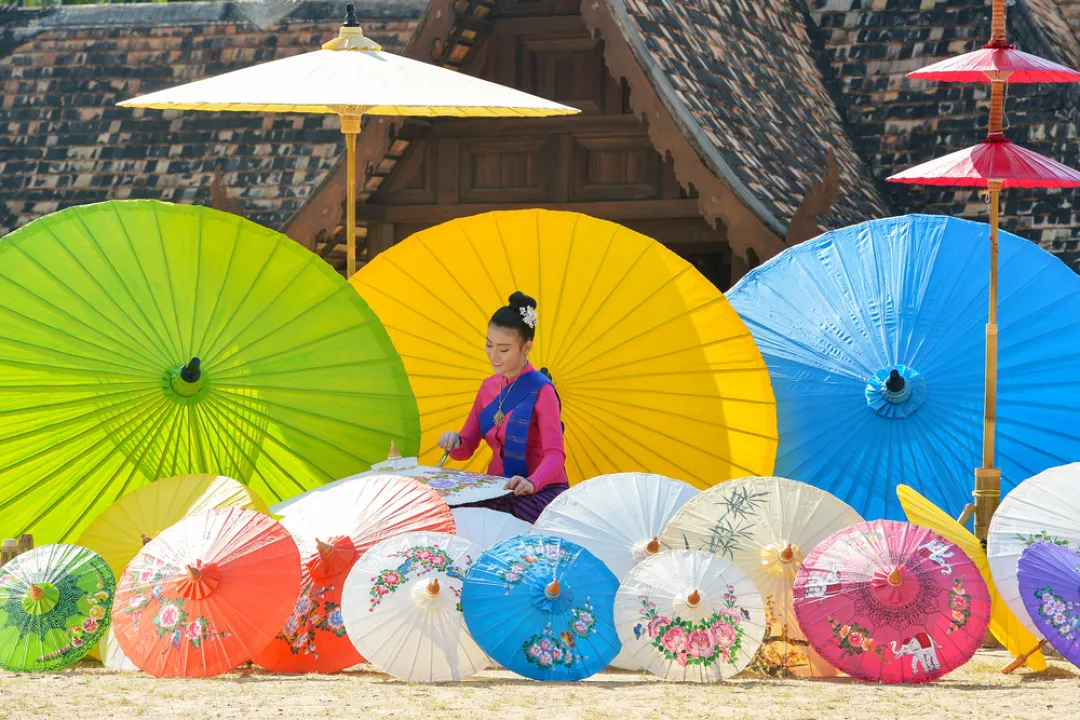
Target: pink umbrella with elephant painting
x=892 y=602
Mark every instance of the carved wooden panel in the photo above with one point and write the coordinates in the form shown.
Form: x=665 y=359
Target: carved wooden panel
x=413 y=181
x=506 y=169
x=607 y=168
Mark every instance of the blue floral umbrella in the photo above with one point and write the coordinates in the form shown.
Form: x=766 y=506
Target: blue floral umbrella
x=542 y=607
x=874 y=338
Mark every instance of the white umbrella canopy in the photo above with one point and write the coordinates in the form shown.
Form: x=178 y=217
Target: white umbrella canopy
x=487 y=527
x=351 y=76
x=1045 y=507
x=766 y=526
x=689 y=616
x=402 y=607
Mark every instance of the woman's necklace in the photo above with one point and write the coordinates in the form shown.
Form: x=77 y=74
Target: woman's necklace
x=499 y=415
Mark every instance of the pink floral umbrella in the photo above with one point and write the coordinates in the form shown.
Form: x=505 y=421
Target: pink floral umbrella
x=892 y=602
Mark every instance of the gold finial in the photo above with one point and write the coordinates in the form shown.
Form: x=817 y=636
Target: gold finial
x=394 y=454
x=694 y=599
x=895 y=578
x=653 y=547
x=35 y=592
x=351 y=38
x=433 y=587
x=787 y=554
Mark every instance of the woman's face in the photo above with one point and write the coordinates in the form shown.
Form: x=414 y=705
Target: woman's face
x=506 y=350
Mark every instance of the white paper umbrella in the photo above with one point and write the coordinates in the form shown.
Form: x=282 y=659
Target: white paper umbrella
x=689 y=615
x=617 y=518
x=402 y=608
x=112 y=655
x=351 y=77
x=1043 y=507
x=765 y=525
x=455 y=487
x=487 y=527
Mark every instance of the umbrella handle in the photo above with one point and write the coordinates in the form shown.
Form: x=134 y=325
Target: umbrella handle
x=444 y=457
x=1022 y=659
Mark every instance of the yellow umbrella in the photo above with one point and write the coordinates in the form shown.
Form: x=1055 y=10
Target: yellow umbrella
x=654 y=368
x=1009 y=631
x=351 y=77
x=119 y=533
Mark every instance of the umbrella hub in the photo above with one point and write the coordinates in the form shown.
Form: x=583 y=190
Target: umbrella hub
x=198 y=581
x=352 y=38
x=781 y=558
x=894 y=586
x=429 y=596
x=552 y=596
x=187 y=383
x=40 y=598
x=896 y=392
x=331 y=558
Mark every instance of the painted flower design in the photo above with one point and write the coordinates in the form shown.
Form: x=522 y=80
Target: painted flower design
x=550 y=649
x=715 y=639
x=855 y=639
x=417 y=561
x=1062 y=616
x=960 y=604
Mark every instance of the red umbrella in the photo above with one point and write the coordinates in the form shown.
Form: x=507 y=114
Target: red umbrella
x=997 y=62
x=995 y=158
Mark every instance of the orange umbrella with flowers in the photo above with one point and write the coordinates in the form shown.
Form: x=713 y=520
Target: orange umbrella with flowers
x=334 y=529
x=206 y=594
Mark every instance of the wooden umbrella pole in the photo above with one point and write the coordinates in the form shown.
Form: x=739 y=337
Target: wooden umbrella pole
x=997 y=22
x=1022 y=658
x=350 y=126
x=997 y=106
x=988 y=478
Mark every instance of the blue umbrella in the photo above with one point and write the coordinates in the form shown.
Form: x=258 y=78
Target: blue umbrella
x=542 y=607
x=874 y=337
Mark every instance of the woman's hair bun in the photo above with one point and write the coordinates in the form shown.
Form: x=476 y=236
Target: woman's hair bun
x=520 y=300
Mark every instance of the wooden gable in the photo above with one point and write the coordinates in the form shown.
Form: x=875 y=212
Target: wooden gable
x=601 y=162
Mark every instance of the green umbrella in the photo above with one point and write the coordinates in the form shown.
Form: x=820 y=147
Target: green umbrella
x=142 y=340
x=55 y=604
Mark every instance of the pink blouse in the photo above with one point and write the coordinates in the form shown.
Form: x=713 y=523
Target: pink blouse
x=545 y=457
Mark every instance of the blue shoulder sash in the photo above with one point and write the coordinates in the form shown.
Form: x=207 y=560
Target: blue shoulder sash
x=521 y=399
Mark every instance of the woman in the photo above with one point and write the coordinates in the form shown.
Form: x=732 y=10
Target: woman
x=517 y=412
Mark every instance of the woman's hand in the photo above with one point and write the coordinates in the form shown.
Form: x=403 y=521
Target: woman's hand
x=449 y=441
x=520 y=485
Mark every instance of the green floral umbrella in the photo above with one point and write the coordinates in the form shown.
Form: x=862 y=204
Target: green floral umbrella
x=55 y=604
x=142 y=340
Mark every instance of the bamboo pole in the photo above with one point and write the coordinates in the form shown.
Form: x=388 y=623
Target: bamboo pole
x=26 y=543
x=351 y=127
x=988 y=478
x=997 y=22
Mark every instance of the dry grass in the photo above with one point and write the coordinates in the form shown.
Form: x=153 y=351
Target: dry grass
x=975 y=691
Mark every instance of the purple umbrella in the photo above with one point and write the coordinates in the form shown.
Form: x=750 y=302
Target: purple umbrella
x=1049 y=577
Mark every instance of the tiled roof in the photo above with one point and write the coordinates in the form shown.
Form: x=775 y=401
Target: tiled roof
x=742 y=78
x=901 y=122
x=64 y=142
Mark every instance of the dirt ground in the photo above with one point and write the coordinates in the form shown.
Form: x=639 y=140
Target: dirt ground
x=975 y=691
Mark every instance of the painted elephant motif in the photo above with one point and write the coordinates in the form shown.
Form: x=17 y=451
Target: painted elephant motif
x=923 y=651
x=937 y=552
x=821 y=584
